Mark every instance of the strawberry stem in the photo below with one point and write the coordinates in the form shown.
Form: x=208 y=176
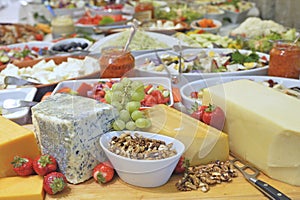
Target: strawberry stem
x=57 y=185
x=18 y=161
x=45 y=160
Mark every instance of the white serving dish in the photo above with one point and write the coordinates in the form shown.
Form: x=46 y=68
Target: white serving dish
x=89 y=28
x=20 y=115
x=70 y=40
x=143 y=173
x=186 y=90
x=74 y=84
x=39 y=44
x=238 y=17
x=208 y=30
x=170 y=41
x=190 y=77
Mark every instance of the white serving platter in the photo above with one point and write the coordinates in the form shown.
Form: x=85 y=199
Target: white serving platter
x=186 y=90
x=75 y=84
x=169 y=40
x=193 y=76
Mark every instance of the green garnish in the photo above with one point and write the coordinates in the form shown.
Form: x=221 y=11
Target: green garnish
x=238 y=58
x=106 y=20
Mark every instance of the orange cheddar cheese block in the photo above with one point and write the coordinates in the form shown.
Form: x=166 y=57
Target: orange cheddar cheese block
x=25 y=188
x=15 y=140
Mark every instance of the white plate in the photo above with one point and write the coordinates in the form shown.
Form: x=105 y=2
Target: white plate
x=189 y=77
x=27 y=93
x=75 y=84
x=38 y=44
x=170 y=41
x=186 y=90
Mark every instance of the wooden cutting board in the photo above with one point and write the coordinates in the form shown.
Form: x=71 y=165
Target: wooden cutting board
x=238 y=189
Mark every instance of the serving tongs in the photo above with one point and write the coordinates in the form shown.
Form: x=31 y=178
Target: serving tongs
x=251 y=173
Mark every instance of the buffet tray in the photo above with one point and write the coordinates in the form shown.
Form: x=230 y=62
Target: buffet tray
x=238 y=189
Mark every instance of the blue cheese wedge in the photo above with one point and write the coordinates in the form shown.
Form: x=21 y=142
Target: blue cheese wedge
x=68 y=127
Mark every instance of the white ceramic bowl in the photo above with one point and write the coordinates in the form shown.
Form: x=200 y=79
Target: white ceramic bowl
x=143 y=173
x=186 y=90
x=19 y=115
x=215 y=29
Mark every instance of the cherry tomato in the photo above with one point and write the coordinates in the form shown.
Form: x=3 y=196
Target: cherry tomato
x=194 y=95
x=39 y=37
x=214 y=116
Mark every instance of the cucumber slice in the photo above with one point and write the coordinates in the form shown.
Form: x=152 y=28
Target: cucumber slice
x=4 y=59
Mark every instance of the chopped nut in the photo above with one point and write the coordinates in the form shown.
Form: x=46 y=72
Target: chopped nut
x=203 y=176
x=141 y=148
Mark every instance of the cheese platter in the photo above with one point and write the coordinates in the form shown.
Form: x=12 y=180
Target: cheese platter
x=239 y=188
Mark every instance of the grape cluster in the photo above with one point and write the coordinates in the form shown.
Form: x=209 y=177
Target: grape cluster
x=126 y=96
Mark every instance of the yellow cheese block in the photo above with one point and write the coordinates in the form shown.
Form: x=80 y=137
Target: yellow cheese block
x=263 y=126
x=203 y=143
x=22 y=188
x=15 y=140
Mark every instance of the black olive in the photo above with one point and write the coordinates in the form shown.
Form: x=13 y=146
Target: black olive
x=74 y=45
x=84 y=45
x=67 y=47
x=56 y=48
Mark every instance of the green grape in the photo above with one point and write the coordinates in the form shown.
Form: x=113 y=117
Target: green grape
x=124 y=115
x=117 y=105
x=148 y=123
x=108 y=96
x=143 y=123
x=137 y=96
x=137 y=114
x=132 y=106
x=117 y=87
x=137 y=86
x=118 y=125
x=117 y=96
x=130 y=126
x=126 y=81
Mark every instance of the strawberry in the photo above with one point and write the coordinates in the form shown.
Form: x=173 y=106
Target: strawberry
x=44 y=164
x=182 y=165
x=103 y=172
x=22 y=166
x=54 y=182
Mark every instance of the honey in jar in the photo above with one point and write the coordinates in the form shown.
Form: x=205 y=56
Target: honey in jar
x=115 y=62
x=144 y=11
x=62 y=26
x=285 y=60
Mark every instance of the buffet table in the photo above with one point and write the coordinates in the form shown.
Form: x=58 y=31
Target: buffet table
x=238 y=189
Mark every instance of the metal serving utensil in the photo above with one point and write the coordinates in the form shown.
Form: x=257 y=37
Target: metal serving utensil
x=264 y=187
x=173 y=77
x=20 y=81
x=17 y=103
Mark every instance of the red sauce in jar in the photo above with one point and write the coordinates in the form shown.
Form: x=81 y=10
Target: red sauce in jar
x=285 y=60
x=114 y=62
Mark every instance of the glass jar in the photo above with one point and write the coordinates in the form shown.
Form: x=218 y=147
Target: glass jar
x=144 y=11
x=285 y=60
x=115 y=62
x=62 y=25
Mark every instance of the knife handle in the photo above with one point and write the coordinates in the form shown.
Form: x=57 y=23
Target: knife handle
x=270 y=191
